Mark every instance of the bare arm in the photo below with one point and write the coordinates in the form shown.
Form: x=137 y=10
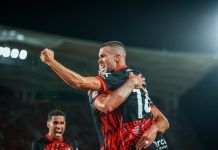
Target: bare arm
x=160 y=124
x=160 y=121
x=108 y=102
x=70 y=77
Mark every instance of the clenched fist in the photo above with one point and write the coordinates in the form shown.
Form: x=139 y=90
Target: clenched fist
x=47 y=56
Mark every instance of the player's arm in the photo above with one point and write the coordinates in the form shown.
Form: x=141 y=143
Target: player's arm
x=110 y=101
x=160 y=124
x=70 y=77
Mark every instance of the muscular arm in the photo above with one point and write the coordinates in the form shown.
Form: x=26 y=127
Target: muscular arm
x=74 y=79
x=108 y=102
x=160 y=124
x=70 y=77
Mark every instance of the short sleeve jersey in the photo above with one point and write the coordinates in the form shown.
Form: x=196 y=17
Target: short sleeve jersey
x=136 y=110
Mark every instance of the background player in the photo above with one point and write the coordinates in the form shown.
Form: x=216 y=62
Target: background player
x=54 y=139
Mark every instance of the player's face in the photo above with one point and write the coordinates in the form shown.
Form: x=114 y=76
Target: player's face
x=107 y=59
x=56 y=126
x=101 y=70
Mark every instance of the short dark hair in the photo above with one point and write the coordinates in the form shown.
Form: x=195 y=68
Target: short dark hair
x=56 y=112
x=112 y=44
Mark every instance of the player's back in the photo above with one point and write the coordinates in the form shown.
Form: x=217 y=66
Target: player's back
x=136 y=110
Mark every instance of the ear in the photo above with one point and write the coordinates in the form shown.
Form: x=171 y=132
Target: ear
x=48 y=124
x=117 y=58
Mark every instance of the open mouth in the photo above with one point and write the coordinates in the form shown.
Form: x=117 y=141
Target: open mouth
x=58 y=132
x=102 y=68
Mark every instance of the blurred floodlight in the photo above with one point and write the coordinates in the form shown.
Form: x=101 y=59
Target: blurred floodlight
x=1 y=50
x=20 y=37
x=14 y=53
x=6 y=52
x=23 y=54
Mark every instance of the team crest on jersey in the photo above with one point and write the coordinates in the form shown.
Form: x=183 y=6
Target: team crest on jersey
x=136 y=129
x=105 y=75
x=129 y=70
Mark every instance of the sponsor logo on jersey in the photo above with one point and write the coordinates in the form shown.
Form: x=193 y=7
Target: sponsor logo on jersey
x=160 y=144
x=136 y=129
x=105 y=75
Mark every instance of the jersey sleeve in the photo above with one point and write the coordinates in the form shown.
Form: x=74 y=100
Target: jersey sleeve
x=111 y=81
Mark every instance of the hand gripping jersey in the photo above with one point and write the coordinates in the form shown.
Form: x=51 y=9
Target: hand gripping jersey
x=47 y=143
x=107 y=125
x=136 y=110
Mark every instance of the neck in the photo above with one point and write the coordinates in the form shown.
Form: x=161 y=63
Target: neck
x=120 y=63
x=118 y=67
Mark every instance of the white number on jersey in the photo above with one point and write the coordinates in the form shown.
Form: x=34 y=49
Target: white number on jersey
x=147 y=109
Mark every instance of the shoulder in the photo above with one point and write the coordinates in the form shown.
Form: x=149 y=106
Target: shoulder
x=36 y=143
x=72 y=142
x=132 y=69
x=41 y=139
x=114 y=75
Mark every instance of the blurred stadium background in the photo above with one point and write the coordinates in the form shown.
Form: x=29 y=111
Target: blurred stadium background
x=29 y=89
x=174 y=44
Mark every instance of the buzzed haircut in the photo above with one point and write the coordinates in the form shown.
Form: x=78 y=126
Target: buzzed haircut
x=55 y=112
x=117 y=46
x=112 y=44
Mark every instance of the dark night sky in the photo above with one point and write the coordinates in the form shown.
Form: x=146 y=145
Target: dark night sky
x=173 y=25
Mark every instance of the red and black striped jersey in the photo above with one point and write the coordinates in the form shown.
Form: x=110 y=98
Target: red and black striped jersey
x=47 y=143
x=107 y=125
x=136 y=110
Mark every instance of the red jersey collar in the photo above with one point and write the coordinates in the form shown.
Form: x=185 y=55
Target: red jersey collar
x=121 y=67
x=54 y=140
